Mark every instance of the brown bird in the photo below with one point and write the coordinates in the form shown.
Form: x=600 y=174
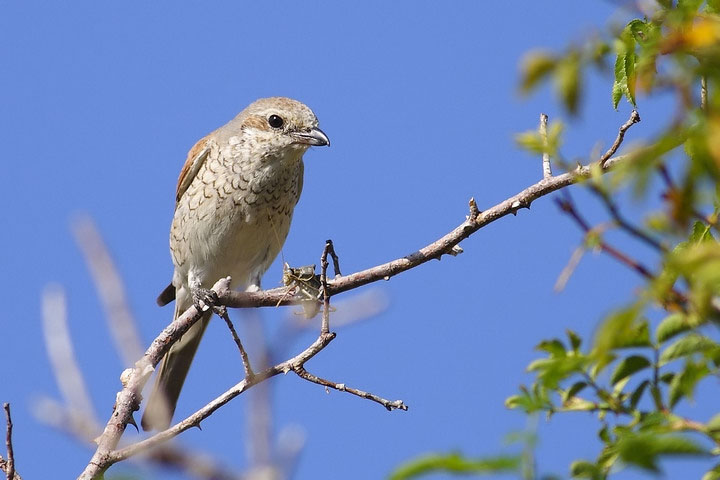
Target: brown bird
x=235 y=199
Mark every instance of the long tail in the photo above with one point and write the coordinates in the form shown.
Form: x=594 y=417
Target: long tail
x=173 y=370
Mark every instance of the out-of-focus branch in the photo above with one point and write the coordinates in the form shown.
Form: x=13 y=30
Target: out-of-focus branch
x=62 y=355
x=111 y=290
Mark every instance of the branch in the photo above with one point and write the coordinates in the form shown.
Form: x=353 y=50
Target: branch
x=196 y=418
x=390 y=405
x=128 y=400
x=547 y=170
x=435 y=250
x=634 y=118
x=10 y=464
x=222 y=313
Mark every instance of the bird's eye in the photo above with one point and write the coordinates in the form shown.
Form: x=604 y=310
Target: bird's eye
x=275 y=121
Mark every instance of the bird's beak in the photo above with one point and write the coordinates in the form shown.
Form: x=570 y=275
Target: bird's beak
x=314 y=137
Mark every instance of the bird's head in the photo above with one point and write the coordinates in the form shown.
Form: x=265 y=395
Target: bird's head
x=279 y=124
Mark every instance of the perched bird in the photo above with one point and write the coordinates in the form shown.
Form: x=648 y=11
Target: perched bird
x=235 y=199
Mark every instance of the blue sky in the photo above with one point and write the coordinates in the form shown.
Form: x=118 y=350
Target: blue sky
x=100 y=103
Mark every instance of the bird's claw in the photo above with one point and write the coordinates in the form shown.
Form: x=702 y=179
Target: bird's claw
x=205 y=299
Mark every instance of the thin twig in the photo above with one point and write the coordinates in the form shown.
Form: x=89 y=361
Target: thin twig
x=335 y=259
x=547 y=169
x=223 y=313
x=10 y=468
x=569 y=269
x=703 y=93
x=390 y=405
x=634 y=118
x=325 y=327
x=196 y=418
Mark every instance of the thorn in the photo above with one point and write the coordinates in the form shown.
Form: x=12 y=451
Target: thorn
x=133 y=423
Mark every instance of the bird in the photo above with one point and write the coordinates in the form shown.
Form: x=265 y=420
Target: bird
x=233 y=206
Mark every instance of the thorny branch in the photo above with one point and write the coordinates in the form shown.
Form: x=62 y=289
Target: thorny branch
x=128 y=400
x=435 y=250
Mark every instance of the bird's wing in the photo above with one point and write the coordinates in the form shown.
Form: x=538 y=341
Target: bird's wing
x=195 y=159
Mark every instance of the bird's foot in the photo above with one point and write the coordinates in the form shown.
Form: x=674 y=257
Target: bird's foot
x=205 y=299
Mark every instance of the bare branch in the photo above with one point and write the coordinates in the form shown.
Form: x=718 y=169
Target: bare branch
x=222 y=313
x=444 y=245
x=390 y=405
x=634 y=118
x=10 y=465
x=325 y=328
x=128 y=400
x=547 y=169
x=196 y=418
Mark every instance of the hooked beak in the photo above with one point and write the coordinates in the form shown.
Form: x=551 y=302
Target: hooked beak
x=314 y=137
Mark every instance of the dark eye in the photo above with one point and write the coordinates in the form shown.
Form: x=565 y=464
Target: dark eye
x=275 y=121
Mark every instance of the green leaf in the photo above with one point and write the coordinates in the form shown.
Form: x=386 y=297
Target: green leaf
x=455 y=463
x=534 y=68
x=714 y=423
x=713 y=474
x=645 y=449
x=576 y=388
x=575 y=340
x=618 y=88
x=530 y=401
x=567 y=81
x=671 y=326
x=683 y=384
x=553 y=370
x=585 y=469
x=636 y=395
x=700 y=233
x=713 y=6
x=628 y=366
x=621 y=329
x=554 y=347
x=689 y=345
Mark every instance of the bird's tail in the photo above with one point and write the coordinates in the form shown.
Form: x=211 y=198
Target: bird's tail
x=173 y=370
